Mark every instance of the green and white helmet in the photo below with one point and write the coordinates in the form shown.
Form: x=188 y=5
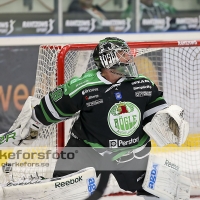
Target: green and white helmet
x=114 y=53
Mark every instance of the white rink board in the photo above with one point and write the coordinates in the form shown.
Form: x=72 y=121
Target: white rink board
x=93 y=38
x=132 y=198
x=123 y=197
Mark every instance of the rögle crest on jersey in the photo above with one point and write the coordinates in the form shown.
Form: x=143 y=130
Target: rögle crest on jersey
x=124 y=118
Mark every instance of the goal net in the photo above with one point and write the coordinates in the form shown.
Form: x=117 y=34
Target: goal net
x=173 y=65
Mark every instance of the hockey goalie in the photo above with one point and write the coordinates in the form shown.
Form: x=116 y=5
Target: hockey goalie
x=114 y=120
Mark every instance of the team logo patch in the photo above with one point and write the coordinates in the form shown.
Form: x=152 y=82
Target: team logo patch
x=118 y=95
x=124 y=118
x=56 y=94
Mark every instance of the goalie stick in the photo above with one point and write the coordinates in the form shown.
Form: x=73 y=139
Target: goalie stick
x=104 y=178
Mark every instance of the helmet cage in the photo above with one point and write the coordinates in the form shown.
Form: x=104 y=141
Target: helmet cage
x=117 y=58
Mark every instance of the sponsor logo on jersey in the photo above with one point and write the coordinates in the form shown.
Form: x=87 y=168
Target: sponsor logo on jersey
x=88 y=75
x=113 y=143
x=143 y=93
x=118 y=95
x=122 y=143
x=91 y=185
x=74 y=80
x=128 y=142
x=124 y=118
x=91 y=97
x=89 y=90
x=153 y=176
x=171 y=165
x=68 y=182
x=142 y=87
x=140 y=81
x=93 y=103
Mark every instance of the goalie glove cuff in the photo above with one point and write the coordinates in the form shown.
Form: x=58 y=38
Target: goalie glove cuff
x=168 y=126
x=31 y=131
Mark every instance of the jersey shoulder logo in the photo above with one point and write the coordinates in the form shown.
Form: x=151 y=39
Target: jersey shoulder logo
x=57 y=93
x=124 y=118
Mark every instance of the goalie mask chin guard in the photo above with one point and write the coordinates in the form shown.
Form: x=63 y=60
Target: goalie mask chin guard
x=114 y=54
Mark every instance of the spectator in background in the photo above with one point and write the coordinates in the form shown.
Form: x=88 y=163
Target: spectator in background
x=86 y=6
x=87 y=10
x=155 y=9
x=152 y=9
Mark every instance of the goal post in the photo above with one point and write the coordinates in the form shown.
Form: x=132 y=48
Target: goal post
x=142 y=52
x=173 y=65
x=170 y=64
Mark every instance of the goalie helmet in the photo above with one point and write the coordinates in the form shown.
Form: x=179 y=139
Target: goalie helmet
x=114 y=53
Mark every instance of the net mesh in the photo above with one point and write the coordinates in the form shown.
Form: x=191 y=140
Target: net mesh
x=28 y=162
x=174 y=70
